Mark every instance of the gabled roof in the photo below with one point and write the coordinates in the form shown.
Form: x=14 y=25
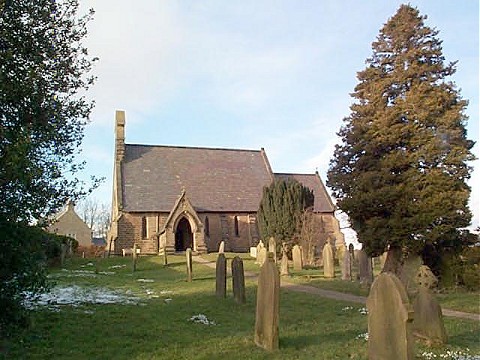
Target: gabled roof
x=215 y=179
x=322 y=203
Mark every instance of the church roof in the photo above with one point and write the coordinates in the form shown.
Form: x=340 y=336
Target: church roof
x=322 y=202
x=214 y=179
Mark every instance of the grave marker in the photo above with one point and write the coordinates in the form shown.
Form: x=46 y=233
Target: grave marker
x=238 y=280
x=221 y=276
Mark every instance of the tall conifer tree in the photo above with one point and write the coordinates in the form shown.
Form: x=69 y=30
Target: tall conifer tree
x=400 y=172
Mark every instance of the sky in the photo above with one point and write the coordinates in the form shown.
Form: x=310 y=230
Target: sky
x=251 y=74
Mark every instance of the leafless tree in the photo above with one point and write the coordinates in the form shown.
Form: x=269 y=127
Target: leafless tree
x=95 y=214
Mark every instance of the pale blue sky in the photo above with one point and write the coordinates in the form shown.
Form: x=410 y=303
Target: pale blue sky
x=250 y=74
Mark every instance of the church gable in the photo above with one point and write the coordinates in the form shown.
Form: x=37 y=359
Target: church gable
x=183 y=209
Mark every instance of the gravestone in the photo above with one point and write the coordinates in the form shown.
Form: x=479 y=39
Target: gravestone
x=428 y=324
x=297 y=258
x=134 y=257
x=272 y=247
x=260 y=246
x=238 y=280
x=340 y=254
x=221 y=276
x=188 y=254
x=268 y=305
x=390 y=317
x=426 y=278
x=253 y=252
x=383 y=258
x=365 y=268
x=347 y=266
x=284 y=264
x=262 y=256
x=221 y=247
x=163 y=252
x=63 y=253
x=328 y=261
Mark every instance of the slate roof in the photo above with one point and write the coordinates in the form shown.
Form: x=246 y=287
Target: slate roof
x=322 y=202
x=215 y=180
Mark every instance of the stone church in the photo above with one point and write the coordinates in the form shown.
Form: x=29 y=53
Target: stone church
x=175 y=197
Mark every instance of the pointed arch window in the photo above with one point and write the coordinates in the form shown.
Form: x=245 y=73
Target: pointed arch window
x=235 y=220
x=144 y=227
x=207 y=226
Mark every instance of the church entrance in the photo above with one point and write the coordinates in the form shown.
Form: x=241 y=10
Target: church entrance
x=183 y=236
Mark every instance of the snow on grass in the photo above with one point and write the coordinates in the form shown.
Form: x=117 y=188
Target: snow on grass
x=76 y=295
x=201 y=319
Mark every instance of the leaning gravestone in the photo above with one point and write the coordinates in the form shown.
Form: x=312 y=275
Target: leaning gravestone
x=347 y=266
x=328 y=261
x=268 y=305
x=428 y=324
x=297 y=258
x=365 y=268
x=238 y=280
x=272 y=247
x=390 y=317
x=188 y=254
x=221 y=247
x=221 y=276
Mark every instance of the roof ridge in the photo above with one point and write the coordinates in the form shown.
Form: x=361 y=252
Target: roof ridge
x=194 y=147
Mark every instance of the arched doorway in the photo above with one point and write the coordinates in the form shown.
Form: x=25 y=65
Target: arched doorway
x=183 y=235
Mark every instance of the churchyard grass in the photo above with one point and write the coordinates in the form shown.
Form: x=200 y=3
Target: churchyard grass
x=158 y=326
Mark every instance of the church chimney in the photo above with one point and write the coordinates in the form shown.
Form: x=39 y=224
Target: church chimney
x=119 y=135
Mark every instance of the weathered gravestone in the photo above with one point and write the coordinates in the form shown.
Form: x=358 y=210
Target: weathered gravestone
x=221 y=276
x=163 y=253
x=340 y=254
x=284 y=263
x=365 y=268
x=188 y=254
x=390 y=317
x=238 y=280
x=63 y=253
x=262 y=256
x=297 y=258
x=260 y=246
x=347 y=266
x=221 y=247
x=272 y=247
x=268 y=305
x=328 y=261
x=428 y=323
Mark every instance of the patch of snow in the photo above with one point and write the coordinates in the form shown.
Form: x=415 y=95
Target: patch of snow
x=146 y=280
x=201 y=319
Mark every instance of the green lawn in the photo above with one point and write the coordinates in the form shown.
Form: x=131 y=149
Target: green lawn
x=159 y=328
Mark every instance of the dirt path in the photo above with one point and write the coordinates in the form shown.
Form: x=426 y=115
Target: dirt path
x=335 y=295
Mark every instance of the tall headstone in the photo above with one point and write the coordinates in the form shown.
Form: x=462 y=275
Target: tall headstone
x=134 y=257
x=390 y=317
x=188 y=254
x=365 y=268
x=428 y=323
x=328 y=261
x=272 y=247
x=297 y=258
x=221 y=276
x=268 y=305
x=63 y=253
x=238 y=280
x=221 y=247
x=284 y=263
x=347 y=266
x=163 y=253
x=340 y=254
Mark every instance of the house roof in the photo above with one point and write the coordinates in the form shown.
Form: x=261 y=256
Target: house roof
x=214 y=179
x=322 y=202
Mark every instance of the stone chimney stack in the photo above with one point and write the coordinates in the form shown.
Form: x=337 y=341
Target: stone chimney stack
x=119 y=135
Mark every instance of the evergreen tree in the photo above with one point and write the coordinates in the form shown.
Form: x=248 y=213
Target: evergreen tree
x=44 y=73
x=400 y=172
x=281 y=208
